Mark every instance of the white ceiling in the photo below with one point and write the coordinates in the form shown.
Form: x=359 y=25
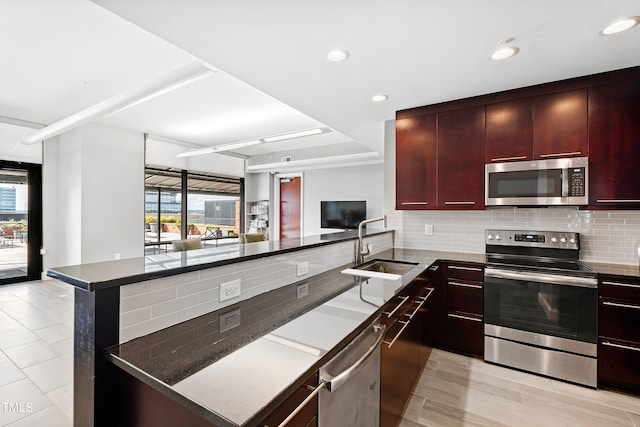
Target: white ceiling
x=66 y=55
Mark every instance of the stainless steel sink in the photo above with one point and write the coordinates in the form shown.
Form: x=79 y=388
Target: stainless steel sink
x=389 y=267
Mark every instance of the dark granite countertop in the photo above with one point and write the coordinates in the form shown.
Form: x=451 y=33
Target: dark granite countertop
x=107 y=274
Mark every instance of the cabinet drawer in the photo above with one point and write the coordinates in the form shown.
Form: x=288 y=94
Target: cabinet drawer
x=465 y=333
x=306 y=417
x=619 y=319
x=465 y=297
x=620 y=289
x=472 y=272
x=619 y=364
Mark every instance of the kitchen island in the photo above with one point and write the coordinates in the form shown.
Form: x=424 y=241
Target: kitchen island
x=99 y=314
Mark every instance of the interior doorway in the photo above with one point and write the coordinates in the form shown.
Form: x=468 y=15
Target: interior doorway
x=290 y=207
x=20 y=221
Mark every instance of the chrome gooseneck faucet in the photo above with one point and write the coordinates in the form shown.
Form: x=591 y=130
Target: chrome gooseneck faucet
x=361 y=251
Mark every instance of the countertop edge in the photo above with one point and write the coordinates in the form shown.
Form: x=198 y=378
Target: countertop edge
x=92 y=286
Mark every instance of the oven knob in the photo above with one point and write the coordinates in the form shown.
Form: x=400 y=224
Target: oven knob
x=554 y=239
x=572 y=241
x=498 y=237
x=490 y=236
x=563 y=239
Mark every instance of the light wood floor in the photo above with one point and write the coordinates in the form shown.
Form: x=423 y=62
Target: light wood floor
x=455 y=390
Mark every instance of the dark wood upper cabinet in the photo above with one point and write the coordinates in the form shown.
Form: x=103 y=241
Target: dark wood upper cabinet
x=416 y=162
x=614 y=145
x=460 y=159
x=509 y=131
x=560 y=125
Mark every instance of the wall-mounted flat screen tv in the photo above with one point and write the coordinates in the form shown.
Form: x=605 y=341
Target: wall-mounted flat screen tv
x=342 y=214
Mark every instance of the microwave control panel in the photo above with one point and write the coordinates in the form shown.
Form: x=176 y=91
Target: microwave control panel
x=577 y=182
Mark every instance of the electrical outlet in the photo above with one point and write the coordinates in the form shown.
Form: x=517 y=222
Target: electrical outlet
x=229 y=290
x=229 y=320
x=428 y=229
x=302 y=268
x=117 y=256
x=302 y=290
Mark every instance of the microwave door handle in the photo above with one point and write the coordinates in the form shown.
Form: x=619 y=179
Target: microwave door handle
x=564 y=177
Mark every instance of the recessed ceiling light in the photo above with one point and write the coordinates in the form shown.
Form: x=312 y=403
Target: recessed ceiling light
x=504 y=51
x=379 y=97
x=620 y=26
x=337 y=55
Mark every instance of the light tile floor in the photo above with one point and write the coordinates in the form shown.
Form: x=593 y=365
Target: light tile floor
x=36 y=347
x=36 y=372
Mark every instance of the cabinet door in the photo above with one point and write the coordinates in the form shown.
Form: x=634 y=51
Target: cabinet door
x=416 y=163
x=465 y=333
x=619 y=364
x=560 y=125
x=509 y=132
x=399 y=371
x=461 y=159
x=614 y=145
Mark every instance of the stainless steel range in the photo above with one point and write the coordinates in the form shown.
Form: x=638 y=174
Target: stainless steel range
x=540 y=305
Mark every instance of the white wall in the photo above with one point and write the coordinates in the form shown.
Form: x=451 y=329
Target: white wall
x=345 y=183
x=93 y=196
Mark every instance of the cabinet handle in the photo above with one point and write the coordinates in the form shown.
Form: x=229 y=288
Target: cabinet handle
x=572 y=153
x=303 y=404
x=389 y=314
x=458 y=267
x=626 y=347
x=404 y=325
x=434 y=268
x=619 y=201
x=466 y=285
x=459 y=316
x=628 y=285
x=616 y=304
x=415 y=203
x=459 y=203
x=501 y=159
x=422 y=301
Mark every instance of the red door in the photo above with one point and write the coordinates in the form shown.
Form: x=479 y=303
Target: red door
x=290 y=207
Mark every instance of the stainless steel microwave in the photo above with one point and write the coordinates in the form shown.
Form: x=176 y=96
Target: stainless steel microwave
x=552 y=182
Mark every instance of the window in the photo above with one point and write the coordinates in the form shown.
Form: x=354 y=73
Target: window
x=210 y=206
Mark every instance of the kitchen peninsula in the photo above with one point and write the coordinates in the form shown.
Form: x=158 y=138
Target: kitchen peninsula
x=119 y=301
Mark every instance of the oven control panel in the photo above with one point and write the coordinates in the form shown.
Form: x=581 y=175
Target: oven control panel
x=529 y=238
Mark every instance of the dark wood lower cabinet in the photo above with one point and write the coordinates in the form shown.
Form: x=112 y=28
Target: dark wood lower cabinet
x=619 y=335
x=405 y=348
x=619 y=364
x=465 y=333
x=308 y=415
x=139 y=405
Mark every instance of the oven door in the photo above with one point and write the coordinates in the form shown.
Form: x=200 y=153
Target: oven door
x=547 y=304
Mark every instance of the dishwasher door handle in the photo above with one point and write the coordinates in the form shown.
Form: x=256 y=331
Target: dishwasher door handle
x=334 y=383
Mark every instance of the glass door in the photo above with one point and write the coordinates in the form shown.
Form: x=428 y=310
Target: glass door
x=20 y=222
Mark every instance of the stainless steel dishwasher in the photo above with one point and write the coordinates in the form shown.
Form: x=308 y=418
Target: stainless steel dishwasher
x=349 y=386
x=351 y=392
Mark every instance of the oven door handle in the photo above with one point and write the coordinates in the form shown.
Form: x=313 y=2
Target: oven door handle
x=528 y=276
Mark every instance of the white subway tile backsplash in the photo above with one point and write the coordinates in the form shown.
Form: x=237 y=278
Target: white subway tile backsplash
x=148 y=326
x=146 y=299
x=134 y=289
x=605 y=236
x=152 y=305
x=169 y=281
x=173 y=305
